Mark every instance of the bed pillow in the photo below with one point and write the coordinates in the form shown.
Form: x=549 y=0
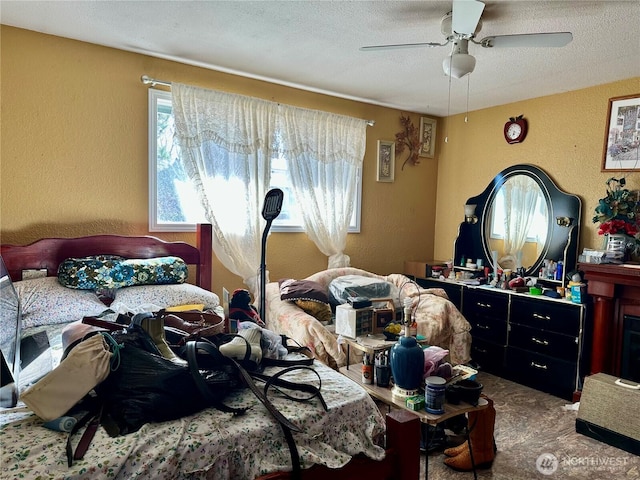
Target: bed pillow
x=341 y=288
x=45 y=302
x=319 y=310
x=110 y=272
x=144 y=298
x=291 y=290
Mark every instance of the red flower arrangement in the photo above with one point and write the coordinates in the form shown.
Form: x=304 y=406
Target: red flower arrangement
x=617 y=226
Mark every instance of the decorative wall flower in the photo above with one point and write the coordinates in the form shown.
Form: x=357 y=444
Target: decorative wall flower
x=618 y=211
x=409 y=138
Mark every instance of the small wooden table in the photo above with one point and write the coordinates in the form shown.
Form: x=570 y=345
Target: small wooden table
x=371 y=344
x=384 y=395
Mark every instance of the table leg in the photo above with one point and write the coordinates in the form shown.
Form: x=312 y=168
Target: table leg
x=473 y=463
x=425 y=428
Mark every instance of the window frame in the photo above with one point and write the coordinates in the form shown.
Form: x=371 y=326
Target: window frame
x=155 y=96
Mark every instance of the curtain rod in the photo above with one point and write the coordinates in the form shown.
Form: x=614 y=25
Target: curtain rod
x=147 y=80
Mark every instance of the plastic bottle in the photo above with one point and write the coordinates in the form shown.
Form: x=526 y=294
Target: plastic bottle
x=559 y=270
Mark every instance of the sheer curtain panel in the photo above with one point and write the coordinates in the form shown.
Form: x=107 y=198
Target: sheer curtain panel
x=324 y=154
x=227 y=143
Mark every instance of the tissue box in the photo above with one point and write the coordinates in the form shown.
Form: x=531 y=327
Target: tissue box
x=352 y=322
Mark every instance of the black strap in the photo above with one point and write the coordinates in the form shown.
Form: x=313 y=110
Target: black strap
x=274 y=362
x=192 y=360
x=287 y=426
x=275 y=381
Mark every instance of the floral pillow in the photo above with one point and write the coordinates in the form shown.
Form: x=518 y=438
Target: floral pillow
x=45 y=302
x=107 y=272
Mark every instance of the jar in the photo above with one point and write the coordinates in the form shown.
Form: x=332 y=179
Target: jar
x=434 y=394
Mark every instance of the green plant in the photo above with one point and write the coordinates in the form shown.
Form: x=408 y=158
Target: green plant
x=618 y=211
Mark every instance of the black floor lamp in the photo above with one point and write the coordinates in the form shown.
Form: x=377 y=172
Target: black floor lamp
x=270 y=211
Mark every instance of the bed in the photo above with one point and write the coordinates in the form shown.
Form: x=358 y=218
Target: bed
x=209 y=444
x=438 y=319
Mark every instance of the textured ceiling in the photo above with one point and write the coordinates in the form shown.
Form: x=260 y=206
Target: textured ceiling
x=314 y=45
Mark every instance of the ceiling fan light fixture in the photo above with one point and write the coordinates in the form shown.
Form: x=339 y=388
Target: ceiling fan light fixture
x=457 y=65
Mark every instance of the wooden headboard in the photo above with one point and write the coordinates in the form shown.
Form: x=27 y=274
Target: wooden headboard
x=48 y=253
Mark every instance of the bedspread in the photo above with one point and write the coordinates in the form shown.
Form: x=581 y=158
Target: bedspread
x=437 y=317
x=207 y=445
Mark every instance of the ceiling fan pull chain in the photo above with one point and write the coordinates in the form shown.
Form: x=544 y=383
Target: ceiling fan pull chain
x=446 y=138
x=466 y=116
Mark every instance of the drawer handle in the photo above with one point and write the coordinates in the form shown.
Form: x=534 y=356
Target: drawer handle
x=541 y=317
x=538 y=366
x=483 y=327
x=481 y=350
x=483 y=305
x=539 y=342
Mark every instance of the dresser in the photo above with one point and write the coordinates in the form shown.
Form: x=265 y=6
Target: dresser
x=533 y=340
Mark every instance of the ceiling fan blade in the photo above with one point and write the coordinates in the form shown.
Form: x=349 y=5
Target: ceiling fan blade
x=466 y=15
x=553 y=39
x=402 y=45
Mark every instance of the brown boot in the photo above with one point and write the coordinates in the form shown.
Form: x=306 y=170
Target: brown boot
x=454 y=451
x=482 y=444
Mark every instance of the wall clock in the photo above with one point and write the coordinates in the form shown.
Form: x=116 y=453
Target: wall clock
x=515 y=129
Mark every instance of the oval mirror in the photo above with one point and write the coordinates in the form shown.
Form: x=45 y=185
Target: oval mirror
x=523 y=217
x=517 y=222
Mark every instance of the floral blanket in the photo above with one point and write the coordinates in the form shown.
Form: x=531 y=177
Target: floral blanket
x=438 y=319
x=208 y=445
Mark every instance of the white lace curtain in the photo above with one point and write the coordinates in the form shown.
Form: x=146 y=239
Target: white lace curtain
x=324 y=154
x=228 y=142
x=521 y=194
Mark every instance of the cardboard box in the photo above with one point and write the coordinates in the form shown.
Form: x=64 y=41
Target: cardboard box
x=421 y=269
x=352 y=322
x=415 y=403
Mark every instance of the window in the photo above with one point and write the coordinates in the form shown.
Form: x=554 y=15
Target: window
x=173 y=202
x=537 y=229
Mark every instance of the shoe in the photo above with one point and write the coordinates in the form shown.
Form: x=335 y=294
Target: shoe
x=482 y=423
x=453 y=451
x=154 y=326
x=237 y=348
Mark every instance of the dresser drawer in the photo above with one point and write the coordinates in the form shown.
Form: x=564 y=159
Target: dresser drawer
x=487 y=314
x=541 y=341
x=546 y=315
x=489 y=356
x=551 y=375
x=485 y=304
x=491 y=329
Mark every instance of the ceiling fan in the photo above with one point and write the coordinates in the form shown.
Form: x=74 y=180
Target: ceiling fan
x=461 y=25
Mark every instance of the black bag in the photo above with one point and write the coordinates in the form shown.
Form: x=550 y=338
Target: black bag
x=147 y=387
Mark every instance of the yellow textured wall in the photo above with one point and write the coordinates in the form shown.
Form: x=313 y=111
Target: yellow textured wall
x=75 y=158
x=565 y=138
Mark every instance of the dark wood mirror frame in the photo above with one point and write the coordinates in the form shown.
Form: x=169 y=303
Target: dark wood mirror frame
x=562 y=240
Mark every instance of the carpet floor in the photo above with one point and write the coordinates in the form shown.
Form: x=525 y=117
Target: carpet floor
x=536 y=439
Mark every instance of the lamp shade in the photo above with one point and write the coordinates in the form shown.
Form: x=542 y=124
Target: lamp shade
x=458 y=65
x=469 y=210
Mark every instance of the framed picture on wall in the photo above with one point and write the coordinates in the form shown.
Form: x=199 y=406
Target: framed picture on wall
x=622 y=135
x=427 y=137
x=386 y=161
